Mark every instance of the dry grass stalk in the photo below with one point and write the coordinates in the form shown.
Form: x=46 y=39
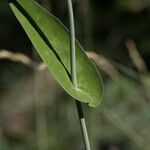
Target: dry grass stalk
x=136 y=57
x=99 y=60
x=104 y=64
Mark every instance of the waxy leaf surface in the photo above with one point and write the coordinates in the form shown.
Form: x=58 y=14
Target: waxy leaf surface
x=52 y=41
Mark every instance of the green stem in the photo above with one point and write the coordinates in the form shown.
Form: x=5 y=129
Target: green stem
x=74 y=77
x=83 y=125
x=72 y=45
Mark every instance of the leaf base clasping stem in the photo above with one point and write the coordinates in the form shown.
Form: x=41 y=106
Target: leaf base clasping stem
x=74 y=77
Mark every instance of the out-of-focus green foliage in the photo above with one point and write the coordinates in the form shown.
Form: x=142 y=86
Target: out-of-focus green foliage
x=122 y=121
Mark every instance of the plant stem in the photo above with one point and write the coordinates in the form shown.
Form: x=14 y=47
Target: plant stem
x=72 y=45
x=83 y=125
x=74 y=77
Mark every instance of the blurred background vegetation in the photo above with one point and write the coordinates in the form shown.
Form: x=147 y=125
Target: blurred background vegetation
x=35 y=112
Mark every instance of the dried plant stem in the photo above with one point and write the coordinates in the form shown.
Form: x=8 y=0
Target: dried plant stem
x=74 y=77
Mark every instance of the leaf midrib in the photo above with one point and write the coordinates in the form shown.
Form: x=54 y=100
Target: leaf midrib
x=41 y=34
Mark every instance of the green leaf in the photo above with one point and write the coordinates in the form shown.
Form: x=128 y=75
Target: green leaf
x=52 y=41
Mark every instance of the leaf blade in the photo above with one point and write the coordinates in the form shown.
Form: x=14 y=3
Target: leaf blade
x=51 y=39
